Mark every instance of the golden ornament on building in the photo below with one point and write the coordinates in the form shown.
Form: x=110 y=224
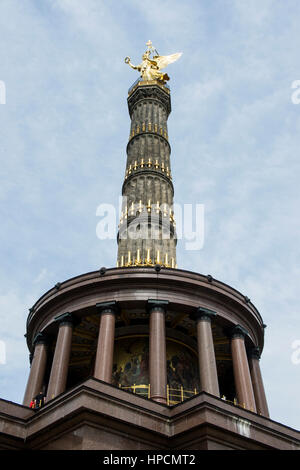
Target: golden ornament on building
x=150 y=67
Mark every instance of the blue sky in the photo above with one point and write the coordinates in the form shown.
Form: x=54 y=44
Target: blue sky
x=234 y=133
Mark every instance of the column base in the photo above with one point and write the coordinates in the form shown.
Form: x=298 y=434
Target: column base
x=159 y=400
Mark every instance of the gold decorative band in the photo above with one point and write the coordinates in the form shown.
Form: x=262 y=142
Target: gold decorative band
x=135 y=259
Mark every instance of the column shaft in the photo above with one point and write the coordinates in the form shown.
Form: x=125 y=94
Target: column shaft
x=105 y=347
x=207 y=360
x=242 y=378
x=258 y=387
x=37 y=372
x=60 y=364
x=157 y=355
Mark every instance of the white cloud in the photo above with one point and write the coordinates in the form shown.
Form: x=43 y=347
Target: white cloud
x=254 y=12
x=41 y=276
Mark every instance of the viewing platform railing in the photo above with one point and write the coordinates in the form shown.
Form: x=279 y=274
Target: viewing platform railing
x=174 y=395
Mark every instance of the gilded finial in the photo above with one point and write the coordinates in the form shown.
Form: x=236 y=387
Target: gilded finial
x=152 y=63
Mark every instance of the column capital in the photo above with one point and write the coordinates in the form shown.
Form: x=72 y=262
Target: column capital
x=254 y=353
x=107 y=307
x=40 y=338
x=66 y=318
x=238 y=331
x=203 y=314
x=155 y=304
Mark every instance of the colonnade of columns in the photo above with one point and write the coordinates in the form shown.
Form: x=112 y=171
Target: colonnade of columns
x=247 y=375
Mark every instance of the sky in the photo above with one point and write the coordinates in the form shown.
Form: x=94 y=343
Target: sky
x=234 y=131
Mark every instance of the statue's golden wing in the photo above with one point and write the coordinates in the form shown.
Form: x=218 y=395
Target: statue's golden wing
x=163 y=60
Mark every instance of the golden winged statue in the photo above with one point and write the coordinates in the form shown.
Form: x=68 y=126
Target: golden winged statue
x=150 y=67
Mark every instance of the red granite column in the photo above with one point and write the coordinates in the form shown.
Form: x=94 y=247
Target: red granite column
x=257 y=382
x=60 y=364
x=157 y=351
x=106 y=339
x=206 y=353
x=242 y=377
x=37 y=369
